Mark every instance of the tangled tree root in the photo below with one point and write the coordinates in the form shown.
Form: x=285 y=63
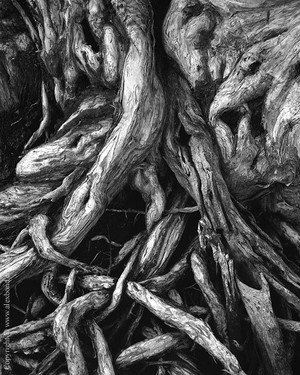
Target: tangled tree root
x=152 y=222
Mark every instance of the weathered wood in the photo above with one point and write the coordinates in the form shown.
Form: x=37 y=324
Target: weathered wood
x=141 y=90
x=161 y=243
x=126 y=94
x=197 y=329
x=154 y=347
x=210 y=294
x=37 y=230
x=259 y=308
x=232 y=297
x=289 y=325
x=64 y=328
x=44 y=367
x=105 y=365
x=49 y=287
x=146 y=182
x=20 y=81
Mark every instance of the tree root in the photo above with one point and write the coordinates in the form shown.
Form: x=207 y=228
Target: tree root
x=207 y=277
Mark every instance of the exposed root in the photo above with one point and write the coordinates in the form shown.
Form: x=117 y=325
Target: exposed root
x=117 y=294
x=37 y=230
x=101 y=349
x=197 y=329
x=65 y=324
x=45 y=122
x=211 y=296
x=208 y=135
x=146 y=182
x=155 y=347
x=259 y=308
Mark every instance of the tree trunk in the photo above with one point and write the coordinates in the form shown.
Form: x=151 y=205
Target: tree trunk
x=149 y=211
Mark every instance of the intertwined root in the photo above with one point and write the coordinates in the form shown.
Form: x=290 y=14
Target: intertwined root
x=199 y=269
